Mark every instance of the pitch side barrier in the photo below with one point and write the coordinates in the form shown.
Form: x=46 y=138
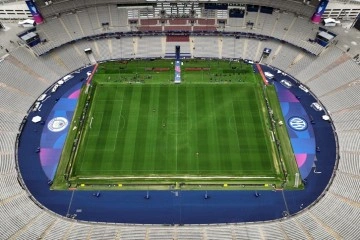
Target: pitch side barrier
x=180 y=33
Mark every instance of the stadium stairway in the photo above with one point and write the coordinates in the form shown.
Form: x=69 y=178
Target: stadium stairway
x=343 y=58
x=20 y=65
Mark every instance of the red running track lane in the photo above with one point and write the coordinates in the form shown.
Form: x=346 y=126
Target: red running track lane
x=92 y=74
x=262 y=74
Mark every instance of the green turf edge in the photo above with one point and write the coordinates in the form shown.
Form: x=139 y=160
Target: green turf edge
x=286 y=150
x=67 y=154
x=199 y=184
x=59 y=179
x=266 y=123
x=109 y=71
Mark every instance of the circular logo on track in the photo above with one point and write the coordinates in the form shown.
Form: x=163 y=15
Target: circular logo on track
x=298 y=123
x=58 y=124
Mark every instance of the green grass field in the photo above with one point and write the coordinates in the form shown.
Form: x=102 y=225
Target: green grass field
x=140 y=129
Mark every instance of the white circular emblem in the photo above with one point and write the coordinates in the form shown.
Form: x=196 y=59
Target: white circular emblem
x=58 y=124
x=298 y=124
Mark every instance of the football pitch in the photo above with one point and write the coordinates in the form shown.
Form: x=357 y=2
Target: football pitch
x=133 y=128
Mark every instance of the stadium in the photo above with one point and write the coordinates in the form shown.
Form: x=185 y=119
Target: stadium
x=85 y=72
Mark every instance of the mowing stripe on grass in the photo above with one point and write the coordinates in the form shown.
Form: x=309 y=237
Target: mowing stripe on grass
x=168 y=140
x=131 y=131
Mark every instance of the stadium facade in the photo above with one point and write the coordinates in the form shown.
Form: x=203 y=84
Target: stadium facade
x=330 y=72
